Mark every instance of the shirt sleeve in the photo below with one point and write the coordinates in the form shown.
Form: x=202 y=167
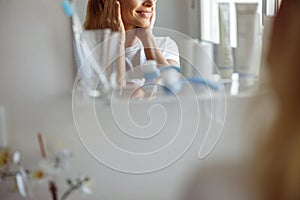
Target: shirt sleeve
x=170 y=51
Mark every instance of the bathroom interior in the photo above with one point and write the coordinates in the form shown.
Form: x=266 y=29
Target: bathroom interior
x=58 y=137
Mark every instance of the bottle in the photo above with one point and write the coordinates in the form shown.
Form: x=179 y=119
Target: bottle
x=223 y=51
x=248 y=52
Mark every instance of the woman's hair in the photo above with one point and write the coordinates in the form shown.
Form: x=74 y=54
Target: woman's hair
x=278 y=159
x=279 y=163
x=93 y=11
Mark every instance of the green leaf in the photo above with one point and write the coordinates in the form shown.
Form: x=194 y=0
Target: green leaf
x=69 y=182
x=86 y=179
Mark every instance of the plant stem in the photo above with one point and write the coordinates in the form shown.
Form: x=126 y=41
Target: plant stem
x=70 y=190
x=53 y=190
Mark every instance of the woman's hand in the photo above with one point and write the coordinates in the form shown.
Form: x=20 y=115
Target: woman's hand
x=104 y=15
x=144 y=33
x=112 y=16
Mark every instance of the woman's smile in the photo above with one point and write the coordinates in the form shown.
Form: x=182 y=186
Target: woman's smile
x=137 y=13
x=144 y=13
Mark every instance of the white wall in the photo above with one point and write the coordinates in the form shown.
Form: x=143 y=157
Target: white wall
x=173 y=14
x=35 y=50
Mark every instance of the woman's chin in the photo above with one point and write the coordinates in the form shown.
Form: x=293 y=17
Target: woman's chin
x=143 y=24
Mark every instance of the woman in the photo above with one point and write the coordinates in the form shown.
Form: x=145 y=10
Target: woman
x=278 y=162
x=135 y=20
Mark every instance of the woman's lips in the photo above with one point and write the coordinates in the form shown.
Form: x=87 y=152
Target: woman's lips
x=144 y=14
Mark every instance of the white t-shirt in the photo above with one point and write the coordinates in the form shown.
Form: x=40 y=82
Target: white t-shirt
x=135 y=55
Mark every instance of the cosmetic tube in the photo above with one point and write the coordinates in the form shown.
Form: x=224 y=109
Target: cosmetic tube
x=223 y=51
x=248 y=52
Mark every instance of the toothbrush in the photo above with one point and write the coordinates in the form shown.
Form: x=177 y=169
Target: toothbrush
x=171 y=83
x=79 y=44
x=201 y=81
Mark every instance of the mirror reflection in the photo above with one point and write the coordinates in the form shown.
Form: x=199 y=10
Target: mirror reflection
x=224 y=45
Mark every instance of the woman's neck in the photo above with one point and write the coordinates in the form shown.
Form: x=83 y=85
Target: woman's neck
x=131 y=37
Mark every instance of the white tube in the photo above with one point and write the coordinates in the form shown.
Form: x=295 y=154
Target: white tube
x=3 y=131
x=248 y=52
x=224 y=54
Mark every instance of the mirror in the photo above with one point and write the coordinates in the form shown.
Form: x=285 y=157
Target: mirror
x=219 y=41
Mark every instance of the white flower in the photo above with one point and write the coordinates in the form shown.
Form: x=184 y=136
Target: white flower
x=86 y=186
x=62 y=158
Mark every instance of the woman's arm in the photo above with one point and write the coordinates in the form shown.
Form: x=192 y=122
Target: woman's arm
x=151 y=48
x=153 y=52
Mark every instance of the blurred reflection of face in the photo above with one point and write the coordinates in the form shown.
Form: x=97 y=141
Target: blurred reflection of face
x=137 y=13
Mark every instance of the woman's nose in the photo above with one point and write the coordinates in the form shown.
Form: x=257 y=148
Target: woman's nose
x=149 y=3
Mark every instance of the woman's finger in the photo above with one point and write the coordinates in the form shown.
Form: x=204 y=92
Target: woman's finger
x=105 y=10
x=108 y=10
x=115 y=20
x=121 y=27
x=153 y=18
